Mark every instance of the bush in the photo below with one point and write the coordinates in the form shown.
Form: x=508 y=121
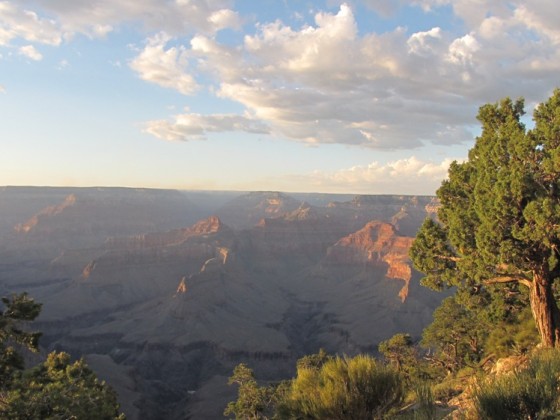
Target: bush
x=343 y=388
x=528 y=394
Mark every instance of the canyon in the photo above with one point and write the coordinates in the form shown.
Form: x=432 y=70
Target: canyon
x=164 y=292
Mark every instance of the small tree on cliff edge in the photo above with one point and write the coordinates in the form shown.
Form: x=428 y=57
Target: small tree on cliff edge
x=499 y=219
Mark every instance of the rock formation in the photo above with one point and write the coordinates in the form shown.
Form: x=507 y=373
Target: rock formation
x=376 y=244
x=175 y=302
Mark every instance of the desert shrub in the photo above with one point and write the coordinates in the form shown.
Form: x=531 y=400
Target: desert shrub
x=426 y=403
x=343 y=388
x=528 y=394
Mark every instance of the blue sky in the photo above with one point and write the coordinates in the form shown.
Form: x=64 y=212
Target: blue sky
x=362 y=96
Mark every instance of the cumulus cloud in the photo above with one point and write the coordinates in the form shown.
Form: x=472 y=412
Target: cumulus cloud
x=96 y=18
x=190 y=126
x=2 y=89
x=426 y=43
x=404 y=176
x=325 y=82
x=26 y=24
x=542 y=17
x=29 y=51
x=164 y=67
x=328 y=83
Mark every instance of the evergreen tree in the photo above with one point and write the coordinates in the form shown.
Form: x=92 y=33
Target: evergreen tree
x=399 y=351
x=54 y=389
x=456 y=335
x=59 y=389
x=18 y=310
x=253 y=401
x=499 y=220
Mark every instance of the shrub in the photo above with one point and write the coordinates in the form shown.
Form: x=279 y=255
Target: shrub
x=528 y=394
x=343 y=388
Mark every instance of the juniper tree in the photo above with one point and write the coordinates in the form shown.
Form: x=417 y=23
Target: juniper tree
x=499 y=220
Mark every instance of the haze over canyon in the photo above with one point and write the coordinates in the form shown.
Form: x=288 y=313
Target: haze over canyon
x=165 y=291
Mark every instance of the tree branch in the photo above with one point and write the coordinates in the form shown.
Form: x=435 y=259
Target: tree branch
x=509 y=279
x=445 y=257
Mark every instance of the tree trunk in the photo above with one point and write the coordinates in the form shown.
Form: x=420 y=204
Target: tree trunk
x=545 y=310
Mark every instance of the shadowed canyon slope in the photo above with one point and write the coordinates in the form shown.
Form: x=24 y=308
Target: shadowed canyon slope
x=166 y=291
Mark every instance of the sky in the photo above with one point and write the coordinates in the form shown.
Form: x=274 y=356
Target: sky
x=356 y=96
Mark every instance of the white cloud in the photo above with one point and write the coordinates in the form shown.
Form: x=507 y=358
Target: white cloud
x=326 y=82
x=27 y=25
x=425 y=43
x=224 y=18
x=189 y=126
x=462 y=50
x=97 y=18
x=29 y=51
x=404 y=176
x=542 y=17
x=2 y=89
x=164 y=67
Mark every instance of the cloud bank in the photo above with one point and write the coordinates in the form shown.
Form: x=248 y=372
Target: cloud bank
x=327 y=81
x=414 y=176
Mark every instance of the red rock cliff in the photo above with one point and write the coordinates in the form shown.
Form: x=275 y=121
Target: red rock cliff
x=378 y=245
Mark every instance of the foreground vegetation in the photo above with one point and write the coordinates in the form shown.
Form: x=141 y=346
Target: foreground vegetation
x=57 y=388
x=496 y=242
x=333 y=387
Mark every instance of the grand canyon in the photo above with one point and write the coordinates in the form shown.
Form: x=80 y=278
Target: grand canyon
x=164 y=292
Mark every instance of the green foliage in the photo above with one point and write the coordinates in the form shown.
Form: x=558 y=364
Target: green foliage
x=517 y=335
x=54 y=389
x=455 y=335
x=425 y=407
x=58 y=388
x=448 y=388
x=400 y=352
x=18 y=309
x=528 y=394
x=343 y=388
x=313 y=361
x=325 y=387
x=253 y=401
x=499 y=219
x=398 y=349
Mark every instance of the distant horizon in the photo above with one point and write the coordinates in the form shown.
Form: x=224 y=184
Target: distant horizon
x=210 y=190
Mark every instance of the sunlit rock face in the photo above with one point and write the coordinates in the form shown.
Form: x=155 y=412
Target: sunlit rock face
x=173 y=289
x=376 y=244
